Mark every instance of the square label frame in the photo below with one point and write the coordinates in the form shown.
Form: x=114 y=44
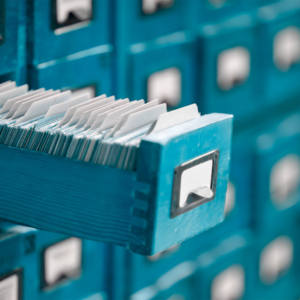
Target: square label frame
x=45 y=45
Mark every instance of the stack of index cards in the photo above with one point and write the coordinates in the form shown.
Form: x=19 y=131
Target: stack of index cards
x=101 y=130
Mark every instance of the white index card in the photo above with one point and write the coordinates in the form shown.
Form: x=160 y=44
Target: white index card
x=165 y=86
x=5 y=83
x=113 y=117
x=107 y=109
x=176 y=117
x=125 y=116
x=90 y=90
x=286 y=48
x=194 y=178
x=9 y=288
x=142 y=118
x=41 y=107
x=275 y=259
x=15 y=92
x=82 y=9
x=233 y=67
x=9 y=103
x=88 y=112
x=7 y=86
x=229 y=284
x=81 y=101
x=62 y=259
x=24 y=106
x=17 y=111
x=106 y=104
x=63 y=107
x=93 y=103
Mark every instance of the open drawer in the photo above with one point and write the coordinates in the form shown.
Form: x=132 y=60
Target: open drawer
x=177 y=191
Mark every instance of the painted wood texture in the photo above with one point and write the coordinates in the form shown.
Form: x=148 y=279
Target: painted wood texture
x=9 y=36
x=160 y=154
x=75 y=198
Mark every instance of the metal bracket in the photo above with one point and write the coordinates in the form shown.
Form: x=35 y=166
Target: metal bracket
x=199 y=195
